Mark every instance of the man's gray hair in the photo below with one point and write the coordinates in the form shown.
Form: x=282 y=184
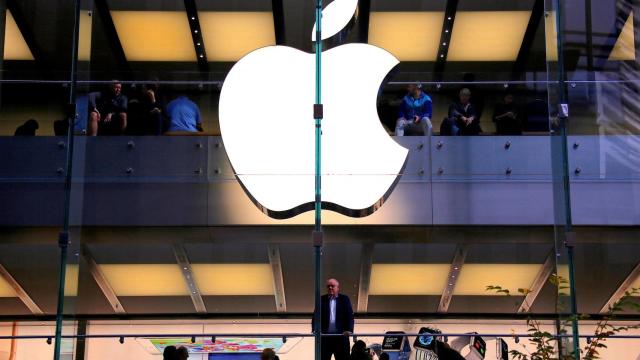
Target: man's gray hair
x=465 y=91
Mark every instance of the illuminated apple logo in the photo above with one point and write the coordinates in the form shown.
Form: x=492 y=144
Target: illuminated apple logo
x=267 y=125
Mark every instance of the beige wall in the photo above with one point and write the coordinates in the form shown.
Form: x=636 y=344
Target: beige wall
x=11 y=117
x=5 y=345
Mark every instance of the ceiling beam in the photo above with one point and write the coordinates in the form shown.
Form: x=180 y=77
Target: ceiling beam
x=277 y=7
x=445 y=36
x=3 y=27
x=364 y=13
x=101 y=281
x=620 y=291
x=538 y=283
x=278 y=279
x=25 y=28
x=109 y=27
x=537 y=14
x=366 y=262
x=196 y=34
x=20 y=292
x=187 y=274
x=452 y=279
x=605 y=45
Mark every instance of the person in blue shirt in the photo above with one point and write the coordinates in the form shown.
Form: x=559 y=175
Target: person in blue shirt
x=415 y=111
x=184 y=115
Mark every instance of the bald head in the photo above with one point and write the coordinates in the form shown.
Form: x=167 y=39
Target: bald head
x=333 y=287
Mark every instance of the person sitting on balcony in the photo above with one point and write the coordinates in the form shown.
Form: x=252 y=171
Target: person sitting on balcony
x=184 y=115
x=507 y=117
x=415 y=111
x=28 y=128
x=147 y=111
x=463 y=118
x=108 y=111
x=61 y=127
x=153 y=107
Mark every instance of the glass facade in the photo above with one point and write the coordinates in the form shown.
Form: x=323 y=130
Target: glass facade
x=158 y=190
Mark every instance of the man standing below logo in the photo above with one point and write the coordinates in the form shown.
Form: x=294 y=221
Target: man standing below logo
x=336 y=318
x=415 y=111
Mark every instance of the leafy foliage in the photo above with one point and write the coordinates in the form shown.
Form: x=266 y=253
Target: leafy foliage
x=544 y=343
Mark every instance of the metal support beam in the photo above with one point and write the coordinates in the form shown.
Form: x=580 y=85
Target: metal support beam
x=537 y=14
x=25 y=28
x=366 y=262
x=364 y=12
x=20 y=292
x=601 y=51
x=115 y=46
x=3 y=26
x=81 y=342
x=196 y=34
x=278 y=279
x=445 y=36
x=277 y=8
x=187 y=274
x=538 y=283
x=102 y=282
x=454 y=273
x=619 y=293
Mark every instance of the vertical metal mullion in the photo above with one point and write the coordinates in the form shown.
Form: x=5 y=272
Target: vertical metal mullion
x=63 y=239
x=566 y=186
x=318 y=236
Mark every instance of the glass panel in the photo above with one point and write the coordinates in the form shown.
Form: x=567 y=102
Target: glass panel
x=475 y=205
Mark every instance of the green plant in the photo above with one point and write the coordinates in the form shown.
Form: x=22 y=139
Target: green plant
x=545 y=344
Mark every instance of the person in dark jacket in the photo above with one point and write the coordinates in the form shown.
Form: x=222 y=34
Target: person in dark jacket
x=108 y=111
x=336 y=317
x=463 y=118
x=507 y=117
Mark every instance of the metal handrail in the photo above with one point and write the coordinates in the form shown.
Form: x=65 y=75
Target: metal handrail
x=300 y=335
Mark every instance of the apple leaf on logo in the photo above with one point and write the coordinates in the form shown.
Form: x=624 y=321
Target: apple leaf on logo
x=335 y=17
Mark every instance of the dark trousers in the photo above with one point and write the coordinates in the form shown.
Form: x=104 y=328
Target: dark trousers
x=338 y=346
x=508 y=127
x=453 y=127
